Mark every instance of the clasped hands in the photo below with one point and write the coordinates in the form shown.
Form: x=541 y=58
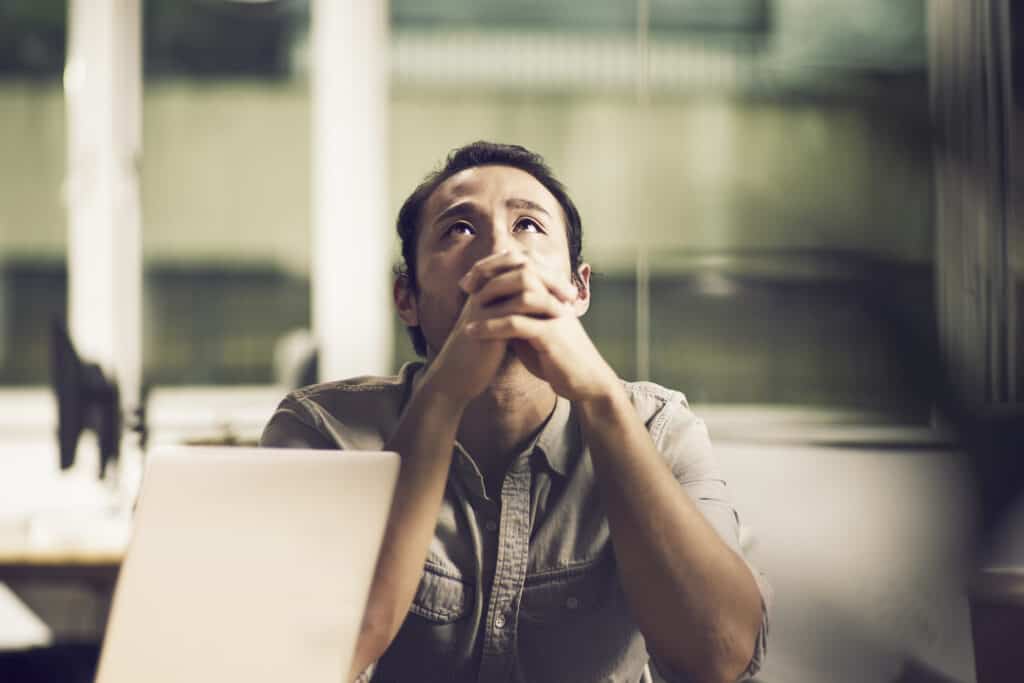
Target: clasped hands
x=514 y=302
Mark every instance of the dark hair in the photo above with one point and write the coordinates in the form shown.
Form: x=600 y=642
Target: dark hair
x=480 y=153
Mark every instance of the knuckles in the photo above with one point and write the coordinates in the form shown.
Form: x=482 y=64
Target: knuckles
x=530 y=300
x=511 y=283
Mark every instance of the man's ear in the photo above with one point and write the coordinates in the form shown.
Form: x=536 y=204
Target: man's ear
x=582 y=282
x=405 y=301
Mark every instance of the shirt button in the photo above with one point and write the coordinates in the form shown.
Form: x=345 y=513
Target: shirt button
x=499 y=621
x=491 y=525
x=572 y=603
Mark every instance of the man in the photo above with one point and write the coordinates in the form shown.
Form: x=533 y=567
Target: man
x=550 y=521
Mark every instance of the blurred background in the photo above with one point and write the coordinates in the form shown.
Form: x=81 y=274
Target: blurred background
x=804 y=214
x=772 y=167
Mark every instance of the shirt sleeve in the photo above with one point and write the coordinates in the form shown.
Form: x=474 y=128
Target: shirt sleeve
x=292 y=426
x=683 y=440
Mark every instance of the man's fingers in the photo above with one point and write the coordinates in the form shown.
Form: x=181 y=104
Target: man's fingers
x=507 y=327
x=507 y=285
x=538 y=304
x=555 y=282
x=523 y=279
x=486 y=268
x=492 y=267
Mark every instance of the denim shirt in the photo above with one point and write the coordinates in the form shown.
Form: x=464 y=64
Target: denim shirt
x=523 y=587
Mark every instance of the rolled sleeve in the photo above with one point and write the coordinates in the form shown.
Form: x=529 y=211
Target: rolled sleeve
x=683 y=440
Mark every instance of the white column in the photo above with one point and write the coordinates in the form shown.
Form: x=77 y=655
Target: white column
x=352 y=235
x=103 y=83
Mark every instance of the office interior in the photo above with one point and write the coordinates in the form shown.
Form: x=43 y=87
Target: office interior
x=806 y=215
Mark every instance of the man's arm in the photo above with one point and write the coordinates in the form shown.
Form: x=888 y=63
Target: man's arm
x=694 y=599
x=424 y=438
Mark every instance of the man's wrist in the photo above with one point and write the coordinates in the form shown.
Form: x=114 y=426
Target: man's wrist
x=430 y=419
x=602 y=406
x=438 y=392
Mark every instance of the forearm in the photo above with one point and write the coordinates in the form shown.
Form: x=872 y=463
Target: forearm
x=424 y=439
x=694 y=599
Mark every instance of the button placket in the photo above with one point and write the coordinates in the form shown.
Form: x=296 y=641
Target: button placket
x=469 y=473
x=509 y=575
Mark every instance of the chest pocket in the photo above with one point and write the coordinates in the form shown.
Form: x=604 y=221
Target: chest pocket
x=431 y=646
x=440 y=598
x=575 y=592
x=579 y=613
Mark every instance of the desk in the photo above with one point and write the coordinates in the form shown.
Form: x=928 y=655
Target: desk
x=68 y=584
x=69 y=590
x=96 y=566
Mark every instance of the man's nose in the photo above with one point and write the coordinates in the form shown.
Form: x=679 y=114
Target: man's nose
x=498 y=239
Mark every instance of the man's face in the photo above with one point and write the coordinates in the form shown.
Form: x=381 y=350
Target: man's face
x=478 y=212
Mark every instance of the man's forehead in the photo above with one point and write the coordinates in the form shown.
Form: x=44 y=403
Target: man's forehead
x=502 y=181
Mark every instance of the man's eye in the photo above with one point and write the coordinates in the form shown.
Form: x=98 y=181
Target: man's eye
x=459 y=228
x=528 y=225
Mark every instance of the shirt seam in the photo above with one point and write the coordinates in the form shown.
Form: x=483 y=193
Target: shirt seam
x=359 y=384
x=318 y=421
x=444 y=572
x=565 y=571
x=660 y=422
x=665 y=397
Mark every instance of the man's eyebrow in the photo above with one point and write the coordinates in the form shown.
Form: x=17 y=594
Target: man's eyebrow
x=458 y=209
x=516 y=203
x=467 y=207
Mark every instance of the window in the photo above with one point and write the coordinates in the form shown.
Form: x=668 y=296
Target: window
x=225 y=183
x=33 y=224
x=747 y=173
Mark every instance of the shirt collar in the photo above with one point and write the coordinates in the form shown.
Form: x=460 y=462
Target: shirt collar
x=559 y=439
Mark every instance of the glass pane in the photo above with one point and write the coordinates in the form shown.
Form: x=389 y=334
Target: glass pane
x=33 y=225
x=783 y=185
x=611 y=320
x=808 y=329
x=769 y=158
x=225 y=188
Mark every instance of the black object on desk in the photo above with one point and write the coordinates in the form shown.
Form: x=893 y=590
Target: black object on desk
x=85 y=400
x=67 y=663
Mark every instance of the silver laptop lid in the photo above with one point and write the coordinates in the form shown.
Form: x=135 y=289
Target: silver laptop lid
x=248 y=565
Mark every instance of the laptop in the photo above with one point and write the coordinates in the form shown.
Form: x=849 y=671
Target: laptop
x=247 y=564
